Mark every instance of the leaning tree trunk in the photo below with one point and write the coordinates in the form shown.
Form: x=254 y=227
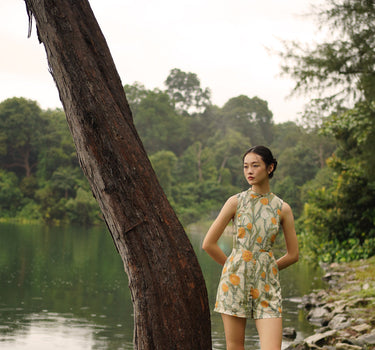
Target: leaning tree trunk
x=168 y=291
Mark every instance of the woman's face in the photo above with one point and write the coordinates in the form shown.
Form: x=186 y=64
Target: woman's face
x=254 y=169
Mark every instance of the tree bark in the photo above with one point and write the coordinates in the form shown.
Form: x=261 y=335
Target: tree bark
x=168 y=291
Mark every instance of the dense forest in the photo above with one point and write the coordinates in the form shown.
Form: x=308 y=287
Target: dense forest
x=326 y=160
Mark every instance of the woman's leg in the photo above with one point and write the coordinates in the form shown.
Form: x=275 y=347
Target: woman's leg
x=270 y=332
x=234 y=328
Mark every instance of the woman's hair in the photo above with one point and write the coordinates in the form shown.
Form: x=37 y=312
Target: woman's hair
x=266 y=155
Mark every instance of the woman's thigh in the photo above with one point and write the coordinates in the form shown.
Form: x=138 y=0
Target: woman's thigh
x=234 y=328
x=270 y=332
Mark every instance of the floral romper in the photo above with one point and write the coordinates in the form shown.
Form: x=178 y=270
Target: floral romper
x=249 y=284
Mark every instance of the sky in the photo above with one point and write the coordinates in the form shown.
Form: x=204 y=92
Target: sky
x=226 y=43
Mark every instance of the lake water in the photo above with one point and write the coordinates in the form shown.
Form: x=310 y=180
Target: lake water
x=65 y=288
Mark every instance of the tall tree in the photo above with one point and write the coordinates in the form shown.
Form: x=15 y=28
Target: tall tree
x=251 y=117
x=341 y=68
x=23 y=128
x=186 y=92
x=168 y=291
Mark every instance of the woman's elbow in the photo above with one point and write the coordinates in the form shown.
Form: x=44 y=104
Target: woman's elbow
x=208 y=246
x=295 y=257
x=205 y=246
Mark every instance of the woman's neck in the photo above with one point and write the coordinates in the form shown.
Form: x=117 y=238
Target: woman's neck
x=261 y=189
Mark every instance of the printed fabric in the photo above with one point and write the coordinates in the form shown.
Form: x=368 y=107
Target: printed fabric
x=249 y=285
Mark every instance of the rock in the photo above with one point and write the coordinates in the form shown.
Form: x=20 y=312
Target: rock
x=320 y=339
x=366 y=339
x=339 y=321
x=322 y=329
x=339 y=307
x=304 y=346
x=321 y=293
x=309 y=301
x=343 y=346
x=289 y=333
x=332 y=276
x=318 y=316
x=361 y=328
x=298 y=346
x=360 y=302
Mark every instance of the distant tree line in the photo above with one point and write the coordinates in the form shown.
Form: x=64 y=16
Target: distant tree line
x=195 y=148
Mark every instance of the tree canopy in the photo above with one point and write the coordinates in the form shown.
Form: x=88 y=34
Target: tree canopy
x=341 y=206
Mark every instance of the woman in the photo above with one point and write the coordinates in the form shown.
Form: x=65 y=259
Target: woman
x=249 y=286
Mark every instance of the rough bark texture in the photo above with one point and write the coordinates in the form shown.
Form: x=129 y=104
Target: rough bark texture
x=168 y=291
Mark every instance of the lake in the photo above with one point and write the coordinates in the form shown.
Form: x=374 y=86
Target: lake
x=65 y=288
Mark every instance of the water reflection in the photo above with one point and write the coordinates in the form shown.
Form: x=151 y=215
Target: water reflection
x=66 y=288
x=45 y=330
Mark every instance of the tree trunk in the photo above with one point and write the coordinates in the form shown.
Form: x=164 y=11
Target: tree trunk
x=167 y=286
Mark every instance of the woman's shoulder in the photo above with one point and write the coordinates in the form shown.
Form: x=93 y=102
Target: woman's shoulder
x=232 y=200
x=279 y=202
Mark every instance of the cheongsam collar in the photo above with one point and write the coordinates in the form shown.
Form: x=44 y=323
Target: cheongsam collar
x=258 y=195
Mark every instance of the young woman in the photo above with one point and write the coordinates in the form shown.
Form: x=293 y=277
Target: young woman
x=249 y=286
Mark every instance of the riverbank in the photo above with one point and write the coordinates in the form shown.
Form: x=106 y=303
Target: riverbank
x=344 y=312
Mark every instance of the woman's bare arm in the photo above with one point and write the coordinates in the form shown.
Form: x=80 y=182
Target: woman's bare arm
x=216 y=230
x=290 y=236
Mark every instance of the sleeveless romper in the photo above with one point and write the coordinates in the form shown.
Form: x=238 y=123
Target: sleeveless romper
x=249 y=285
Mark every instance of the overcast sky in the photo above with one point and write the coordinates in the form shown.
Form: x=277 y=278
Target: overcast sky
x=223 y=42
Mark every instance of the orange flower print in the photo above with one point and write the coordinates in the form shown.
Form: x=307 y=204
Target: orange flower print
x=267 y=288
x=231 y=259
x=216 y=304
x=224 y=269
x=280 y=310
x=259 y=239
x=249 y=226
x=264 y=201
x=263 y=275
x=274 y=221
x=224 y=287
x=264 y=303
x=273 y=238
x=247 y=255
x=254 y=195
x=270 y=254
x=234 y=279
x=241 y=232
x=274 y=271
x=239 y=215
x=254 y=293
x=278 y=212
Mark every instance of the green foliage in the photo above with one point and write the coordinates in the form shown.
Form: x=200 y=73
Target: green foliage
x=164 y=163
x=39 y=174
x=23 y=129
x=250 y=116
x=185 y=91
x=343 y=65
x=159 y=125
x=336 y=250
x=10 y=195
x=83 y=208
x=195 y=149
x=338 y=216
